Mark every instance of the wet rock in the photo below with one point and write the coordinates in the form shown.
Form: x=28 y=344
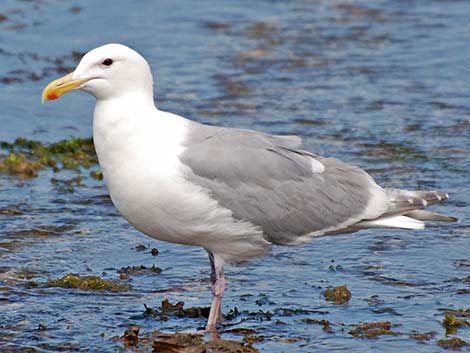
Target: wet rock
x=154 y=252
x=337 y=295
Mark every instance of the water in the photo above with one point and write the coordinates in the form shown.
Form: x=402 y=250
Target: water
x=383 y=85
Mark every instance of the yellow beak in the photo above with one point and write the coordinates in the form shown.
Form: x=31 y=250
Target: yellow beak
x=62 y=85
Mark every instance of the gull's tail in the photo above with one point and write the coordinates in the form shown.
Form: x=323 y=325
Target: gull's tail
x=406 y=210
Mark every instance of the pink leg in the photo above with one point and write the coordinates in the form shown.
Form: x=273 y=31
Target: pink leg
x=218 y=286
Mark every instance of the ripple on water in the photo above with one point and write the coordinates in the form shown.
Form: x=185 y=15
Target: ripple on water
x=364 y=82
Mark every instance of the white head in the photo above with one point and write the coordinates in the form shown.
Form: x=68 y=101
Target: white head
x=109 y=71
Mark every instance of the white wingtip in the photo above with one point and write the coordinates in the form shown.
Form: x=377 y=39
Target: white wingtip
x=402 y=222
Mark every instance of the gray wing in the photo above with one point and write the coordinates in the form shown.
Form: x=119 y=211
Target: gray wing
x=269 y=181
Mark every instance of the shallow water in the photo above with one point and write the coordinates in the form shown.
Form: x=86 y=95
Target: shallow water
x=382 y=85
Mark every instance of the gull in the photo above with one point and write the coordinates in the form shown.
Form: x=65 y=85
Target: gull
x=233 y=192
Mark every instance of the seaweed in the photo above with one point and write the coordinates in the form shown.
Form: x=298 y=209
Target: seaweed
x=373 y=329
x=452 y=343
x=324 y=323
x=168 y=309
x=422 y=336
x=26 y=158
x=337 y=295
x=451 y=323
x=91 y=283
x=139 y=270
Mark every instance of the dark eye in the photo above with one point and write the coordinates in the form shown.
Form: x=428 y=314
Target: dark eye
x=107 y=62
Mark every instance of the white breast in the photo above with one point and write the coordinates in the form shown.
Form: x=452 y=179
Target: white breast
x=138 y=153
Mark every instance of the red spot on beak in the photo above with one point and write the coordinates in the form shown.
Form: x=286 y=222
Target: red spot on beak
x=52 y=96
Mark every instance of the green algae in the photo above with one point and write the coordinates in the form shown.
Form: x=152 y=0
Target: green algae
x=91 y=283
x=96 y=174
x=18 y=164
x=451 y=323
x=26 y=158
x=337 y=295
